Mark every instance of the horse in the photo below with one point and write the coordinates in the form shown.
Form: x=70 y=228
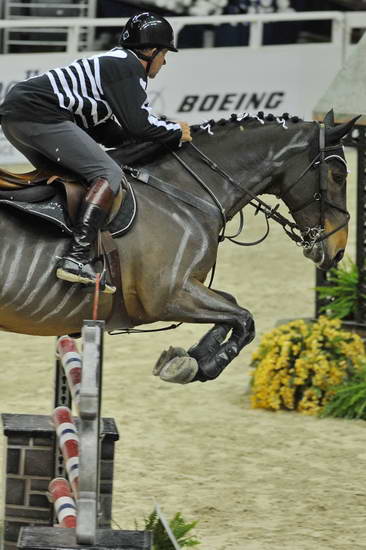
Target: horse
x=169 y=252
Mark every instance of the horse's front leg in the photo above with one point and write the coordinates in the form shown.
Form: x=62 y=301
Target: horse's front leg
x=198 y=304
x=211 y=341
x=211 y=355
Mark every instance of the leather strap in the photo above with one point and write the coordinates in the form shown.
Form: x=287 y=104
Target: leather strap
x=74 y=195
x=189 y=198
x=116 y=318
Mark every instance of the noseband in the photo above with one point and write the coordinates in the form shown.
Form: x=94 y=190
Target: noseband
x=305 y=237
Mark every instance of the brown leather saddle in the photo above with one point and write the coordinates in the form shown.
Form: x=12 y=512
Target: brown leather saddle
x=34 y=192
x=57 y=198
x=74 y=190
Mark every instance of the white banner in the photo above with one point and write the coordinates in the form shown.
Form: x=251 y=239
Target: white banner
x=212 y=83
x=215 y=82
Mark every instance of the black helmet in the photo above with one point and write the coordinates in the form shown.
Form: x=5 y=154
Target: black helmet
x=148 y=30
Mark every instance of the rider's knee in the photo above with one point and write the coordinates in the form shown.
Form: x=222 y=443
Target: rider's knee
x=114 y=176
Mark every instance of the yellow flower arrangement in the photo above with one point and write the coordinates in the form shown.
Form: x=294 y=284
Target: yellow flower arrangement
x=297 y=365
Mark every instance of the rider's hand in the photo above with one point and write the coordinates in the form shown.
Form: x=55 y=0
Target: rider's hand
x=186 y=131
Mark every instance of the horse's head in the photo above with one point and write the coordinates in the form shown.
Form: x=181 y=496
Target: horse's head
x=314 y=188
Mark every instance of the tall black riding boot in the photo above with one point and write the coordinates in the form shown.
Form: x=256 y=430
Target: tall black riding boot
x=77 y=267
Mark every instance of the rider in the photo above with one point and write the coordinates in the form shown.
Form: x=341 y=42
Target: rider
x=57 y=118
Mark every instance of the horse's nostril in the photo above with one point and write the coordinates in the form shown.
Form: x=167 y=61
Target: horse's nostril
x=339 y=256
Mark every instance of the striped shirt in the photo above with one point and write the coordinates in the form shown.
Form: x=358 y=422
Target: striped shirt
x=78 y=88
x=90 y=91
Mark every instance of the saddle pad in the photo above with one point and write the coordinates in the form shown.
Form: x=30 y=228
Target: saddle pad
x=53 y=209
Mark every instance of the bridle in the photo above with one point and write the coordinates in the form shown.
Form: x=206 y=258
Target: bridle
x=305 y=237
x=317 y=234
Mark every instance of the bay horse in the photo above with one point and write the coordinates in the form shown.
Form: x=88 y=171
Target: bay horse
x=167 y=255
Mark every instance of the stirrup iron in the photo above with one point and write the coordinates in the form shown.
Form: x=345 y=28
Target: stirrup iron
x=82 y=273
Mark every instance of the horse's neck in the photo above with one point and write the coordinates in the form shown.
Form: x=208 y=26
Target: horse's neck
x=253 y=157
x=247 y=157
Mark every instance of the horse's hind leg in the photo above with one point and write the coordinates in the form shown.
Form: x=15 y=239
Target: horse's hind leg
x=198 y=304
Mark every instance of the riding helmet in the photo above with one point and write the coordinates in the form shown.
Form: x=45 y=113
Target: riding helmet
x=148 y=30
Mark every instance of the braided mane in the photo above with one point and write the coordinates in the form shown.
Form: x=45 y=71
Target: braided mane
x=242 y=119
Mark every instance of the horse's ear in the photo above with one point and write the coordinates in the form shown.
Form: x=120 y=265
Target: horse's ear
x=335 y=134
x=329 y=119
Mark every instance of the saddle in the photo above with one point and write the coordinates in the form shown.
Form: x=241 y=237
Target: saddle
x=56 y=199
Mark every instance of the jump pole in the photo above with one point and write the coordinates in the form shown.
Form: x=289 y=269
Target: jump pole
x=85 y=510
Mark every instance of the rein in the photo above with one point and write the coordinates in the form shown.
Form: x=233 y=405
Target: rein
x=307 y=238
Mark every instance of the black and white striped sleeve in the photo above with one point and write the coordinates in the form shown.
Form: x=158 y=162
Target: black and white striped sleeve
x=126 y=95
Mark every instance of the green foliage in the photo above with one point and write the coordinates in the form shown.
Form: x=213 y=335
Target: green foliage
x=342 y=292
x=179 y=527
x=349 y=399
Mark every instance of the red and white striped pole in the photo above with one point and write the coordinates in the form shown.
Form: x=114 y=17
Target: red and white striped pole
x=65 y=507
x=71 y=361
x=69 y=444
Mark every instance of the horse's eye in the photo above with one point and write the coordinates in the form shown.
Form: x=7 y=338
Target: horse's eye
x=338 y=177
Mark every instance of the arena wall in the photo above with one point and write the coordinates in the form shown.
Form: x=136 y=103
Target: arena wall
x=205 y=83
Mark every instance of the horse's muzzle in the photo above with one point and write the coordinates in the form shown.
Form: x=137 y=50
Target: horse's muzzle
x=315 y=253
x=320 y=256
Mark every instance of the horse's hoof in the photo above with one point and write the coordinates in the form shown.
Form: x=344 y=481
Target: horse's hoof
x=180 y=370
x=167 y=356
